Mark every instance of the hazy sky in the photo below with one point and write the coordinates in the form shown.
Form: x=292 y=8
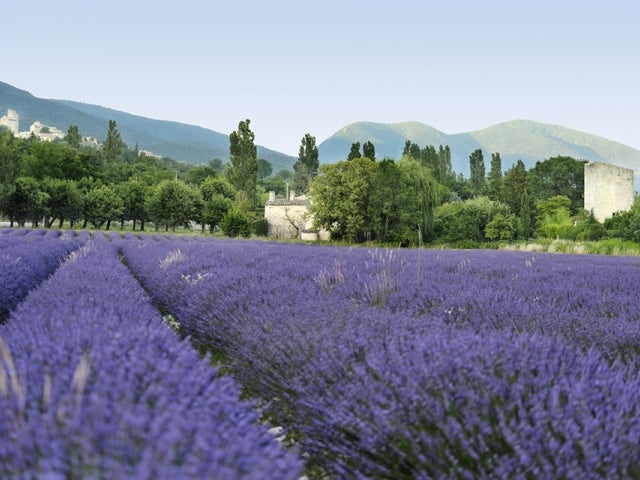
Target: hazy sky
x=296 y=67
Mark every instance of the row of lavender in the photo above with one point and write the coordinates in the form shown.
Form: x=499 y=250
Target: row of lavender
x=420 y=364
x=27 y=258
x=94 y=385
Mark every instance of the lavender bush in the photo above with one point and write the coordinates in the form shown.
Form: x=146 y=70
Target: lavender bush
x=28 y=259
x=419 y=364
x=94 y=385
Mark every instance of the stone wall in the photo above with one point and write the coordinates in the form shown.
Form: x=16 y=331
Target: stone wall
x=607 y=189
x=290 y=218
x=286 y=217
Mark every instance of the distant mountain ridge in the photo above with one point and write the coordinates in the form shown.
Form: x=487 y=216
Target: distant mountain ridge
x=189 y=143
x=526 y=140
x=515 y=140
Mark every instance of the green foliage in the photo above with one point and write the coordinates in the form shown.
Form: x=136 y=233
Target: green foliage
x=625 y=225
x=59 y=160
x=264 y=168
x=73 y=137
x=500 y=227
x=525 y=215
x=198 y=174
x=65 y=201
x=214 y=210
x=421 y=192
x=360 y=199
x=134 y=194
x=173 y=204
x=217 y=186
x=243 y=171
x=113 y=146
x=468 y=221
x=103 y=205
x=10 y=158
x=587 y=228
x=513 y=186
x=306 y=167
x=553 y=217
x=559 y=176
x=261 y=227
x=24 y=201
x=279 y=183
x=477 y=169
x=217 y=196
x=369 y=150
x=341 y=198
x=494 y=182
x=355 y=151
x=236 y=223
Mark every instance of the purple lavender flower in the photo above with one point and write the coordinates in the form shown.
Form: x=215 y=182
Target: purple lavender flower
x=94 y=384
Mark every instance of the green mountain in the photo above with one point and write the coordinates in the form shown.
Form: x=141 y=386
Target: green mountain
x=518 y=139
x=179 y=141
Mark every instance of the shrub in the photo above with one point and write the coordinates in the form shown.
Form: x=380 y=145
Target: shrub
x=236 y=223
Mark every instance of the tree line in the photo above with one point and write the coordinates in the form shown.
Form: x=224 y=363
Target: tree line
x=50 y=183
x=410 y=201
x=420 y=199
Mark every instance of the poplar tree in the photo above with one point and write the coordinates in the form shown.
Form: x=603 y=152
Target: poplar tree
x=525 y=214
x=73 y=136
x=495 y=176
x=113 y=145
x=368 y=150
x=355 y=151
x=243 y=172
x=306 y=167
x=476 y=166
x=513 y=185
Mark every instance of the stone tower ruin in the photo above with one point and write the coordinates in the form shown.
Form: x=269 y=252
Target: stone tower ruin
x=607 y=189
x=11 y=121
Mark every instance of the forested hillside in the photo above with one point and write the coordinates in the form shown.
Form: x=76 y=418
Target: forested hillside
x=179 y=141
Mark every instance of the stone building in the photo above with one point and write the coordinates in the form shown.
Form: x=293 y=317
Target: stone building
x=290 y=218
x=607 y=189
x=43 y=132
x=11 y=121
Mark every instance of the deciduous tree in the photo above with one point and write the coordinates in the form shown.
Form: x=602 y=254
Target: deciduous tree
x=65 y=201
x=103 y=205
x=173 y=204
x=559 y=176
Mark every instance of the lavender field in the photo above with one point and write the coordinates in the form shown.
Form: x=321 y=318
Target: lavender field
x=373 y=363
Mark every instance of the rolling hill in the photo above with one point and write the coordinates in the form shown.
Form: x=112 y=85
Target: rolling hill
x=518 y=139
x=179 y=141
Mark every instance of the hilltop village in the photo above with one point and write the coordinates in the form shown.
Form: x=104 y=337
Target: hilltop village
x=43 y=132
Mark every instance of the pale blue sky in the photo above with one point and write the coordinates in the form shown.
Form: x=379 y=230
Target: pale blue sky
x=294 y=67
